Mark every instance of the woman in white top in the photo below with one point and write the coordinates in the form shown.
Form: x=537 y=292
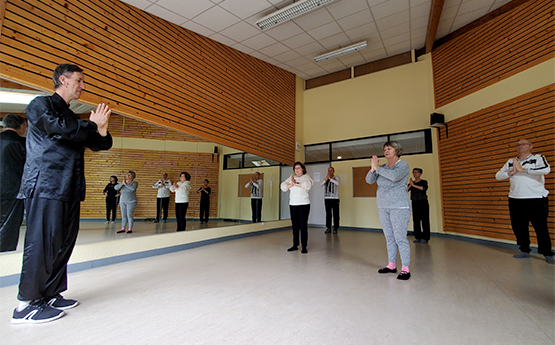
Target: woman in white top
x=181 y=190
x=298 y=186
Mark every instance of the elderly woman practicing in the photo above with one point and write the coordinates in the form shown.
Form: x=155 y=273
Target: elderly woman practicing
x=393 y=205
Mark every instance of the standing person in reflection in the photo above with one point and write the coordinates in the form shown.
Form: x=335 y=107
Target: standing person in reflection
x=181 y=190
x=205 y=192
x=163 y=197
x=298 y=186
x=111 y=195
x=128 y=201
x=393 y=205
x=12 y=160
x=331 y=200
x=256 y=184
x=420 y=207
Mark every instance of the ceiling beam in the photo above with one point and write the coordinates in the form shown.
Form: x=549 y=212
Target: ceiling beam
x=433 y=23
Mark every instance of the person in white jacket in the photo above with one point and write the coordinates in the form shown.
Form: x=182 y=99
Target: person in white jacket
x=181 y=190
x=298 y=186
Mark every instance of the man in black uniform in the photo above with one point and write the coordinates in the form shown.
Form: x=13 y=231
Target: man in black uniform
x=12 y=159
x=53 y=186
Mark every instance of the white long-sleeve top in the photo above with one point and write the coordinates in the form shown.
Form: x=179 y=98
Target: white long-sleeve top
x=181 y=192
x=163 y=188
x=529 y=184
x=256 y=188
x=332 y=187
x=298 y=195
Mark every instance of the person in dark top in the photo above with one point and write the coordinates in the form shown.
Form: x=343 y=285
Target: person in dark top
x=53 y=186
x=12 y=160
x=420 y=207
x=205 y=192
x=111 y=199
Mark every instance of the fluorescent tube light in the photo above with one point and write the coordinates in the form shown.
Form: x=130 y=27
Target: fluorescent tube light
x=342 y=51
x=295 y=9
x=16 y=98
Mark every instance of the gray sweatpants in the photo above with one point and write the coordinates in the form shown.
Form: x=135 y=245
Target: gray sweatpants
x=395 y=222
x=127 y=210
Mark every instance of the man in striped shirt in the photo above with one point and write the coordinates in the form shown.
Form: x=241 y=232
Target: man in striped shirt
x=256 y=184
x=528 y=199
x=331 y=200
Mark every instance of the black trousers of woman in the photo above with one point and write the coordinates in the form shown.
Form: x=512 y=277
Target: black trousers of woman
x=111 y=207
x=180 y=214
x=421 y=214
x=299 y=222
x=204 y=209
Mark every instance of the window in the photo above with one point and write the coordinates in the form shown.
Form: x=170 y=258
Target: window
x=247 y=160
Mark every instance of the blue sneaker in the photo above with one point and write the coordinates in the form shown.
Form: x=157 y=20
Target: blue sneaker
x=37 y=312
x=61 y=303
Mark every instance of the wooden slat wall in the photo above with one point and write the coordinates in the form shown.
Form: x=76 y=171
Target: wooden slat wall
x=474 y=202
x=502 y=47
x=148 y=165
x=153 y=70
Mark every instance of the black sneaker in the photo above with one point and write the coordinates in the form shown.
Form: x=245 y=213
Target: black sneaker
x=61 y=303
x=335 y=231
x=328 y=231
x=37 y=312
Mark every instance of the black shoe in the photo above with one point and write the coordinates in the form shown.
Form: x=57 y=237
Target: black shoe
x=387 y=270
x=416 y=241
x=403 y=275
x=120 y=231
x=304 y=251
x=37 y=312
x=423 y=242
x=61 y=303
x=156 y=221
x=129 y=231
x=328 y=231
x=292 y=249
x=335 y=231
x=164 y=220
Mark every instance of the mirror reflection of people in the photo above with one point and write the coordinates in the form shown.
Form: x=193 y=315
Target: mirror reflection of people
x=256 y=184
x=128 y=200
x=299 y=185
x=12 y=160
x=393 y=205
x=331 y=200
x=420 y=207
x=163 y=197
x=111 y=199
x=53 y=186
x=528 y=199
x=181 y=190
x=205 y=192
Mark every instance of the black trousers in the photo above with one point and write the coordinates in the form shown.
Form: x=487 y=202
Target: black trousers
x=162 y=204
x=299 y=222
x=204 y=209
x=524 y=211
x=10 y=222
x=256 y=207
x=52 y=228
x=181 y=215
x=421 y=216
x=111 y=208
x=332 y=208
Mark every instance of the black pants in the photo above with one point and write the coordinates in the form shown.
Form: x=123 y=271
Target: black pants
x=10 y=222
x=204 y=210
x=421 y=216
x=299 y=222
x=162 y=204
x=111 y=208
x=524 y=211
x=181 y=215
x=332 y=207
x=256 y=207
x=52 y=228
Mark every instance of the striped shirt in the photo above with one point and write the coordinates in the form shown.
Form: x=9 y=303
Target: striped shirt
x=331 y=188
x=256 y=189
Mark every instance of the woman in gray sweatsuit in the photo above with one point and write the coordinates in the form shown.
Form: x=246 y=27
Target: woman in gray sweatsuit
x=128 y=200
x=393 y=205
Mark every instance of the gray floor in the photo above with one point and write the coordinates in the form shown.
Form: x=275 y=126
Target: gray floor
x=251 y=291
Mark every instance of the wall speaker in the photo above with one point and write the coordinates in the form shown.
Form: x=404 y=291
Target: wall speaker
x=437 y=120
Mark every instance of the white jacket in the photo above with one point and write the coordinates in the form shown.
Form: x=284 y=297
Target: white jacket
x=181 y=192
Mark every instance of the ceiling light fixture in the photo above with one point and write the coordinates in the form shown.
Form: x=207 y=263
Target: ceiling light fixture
x=16 y=97
x=342 y=51
x=294 y=10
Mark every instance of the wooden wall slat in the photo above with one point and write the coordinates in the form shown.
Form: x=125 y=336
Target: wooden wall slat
x=155 y=71
x=474 y=202
x=499 y=48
